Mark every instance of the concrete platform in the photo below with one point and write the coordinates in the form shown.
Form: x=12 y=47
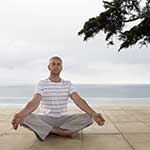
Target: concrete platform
x=127 y=127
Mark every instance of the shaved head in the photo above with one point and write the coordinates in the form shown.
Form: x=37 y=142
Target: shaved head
x=55 y=65
x=55 y=57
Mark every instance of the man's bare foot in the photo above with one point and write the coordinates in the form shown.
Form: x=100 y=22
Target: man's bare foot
x=64 y=132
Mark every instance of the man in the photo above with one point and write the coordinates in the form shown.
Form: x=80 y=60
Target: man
x=52 y=95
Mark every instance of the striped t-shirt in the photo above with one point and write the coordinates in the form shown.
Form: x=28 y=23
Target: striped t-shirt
x=55 y=96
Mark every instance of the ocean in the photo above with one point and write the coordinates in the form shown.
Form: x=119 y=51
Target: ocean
x=92 y=93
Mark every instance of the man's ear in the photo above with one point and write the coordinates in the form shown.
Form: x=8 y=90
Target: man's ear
x=48 y=67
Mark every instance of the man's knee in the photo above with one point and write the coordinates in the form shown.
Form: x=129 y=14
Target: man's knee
x=29 y=117
x=88 y=118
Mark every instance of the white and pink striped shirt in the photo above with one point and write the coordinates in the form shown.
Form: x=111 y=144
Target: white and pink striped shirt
x=55 y=96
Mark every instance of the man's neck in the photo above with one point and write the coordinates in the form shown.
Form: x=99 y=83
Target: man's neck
x=54 y=78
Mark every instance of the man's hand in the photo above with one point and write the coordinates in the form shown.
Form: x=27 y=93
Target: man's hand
x=17 y=120
x=99 y=119
x=30 y=107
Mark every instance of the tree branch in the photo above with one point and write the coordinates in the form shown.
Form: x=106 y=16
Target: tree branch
x=130 y=20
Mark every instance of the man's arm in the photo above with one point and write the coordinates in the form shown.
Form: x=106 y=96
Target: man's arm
x=29 y=108
x=82 y=104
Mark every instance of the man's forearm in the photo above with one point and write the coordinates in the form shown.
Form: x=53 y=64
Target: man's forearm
x=82 y=104
x=29 y=108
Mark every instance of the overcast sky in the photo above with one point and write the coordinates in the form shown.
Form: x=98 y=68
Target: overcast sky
x=31 y=31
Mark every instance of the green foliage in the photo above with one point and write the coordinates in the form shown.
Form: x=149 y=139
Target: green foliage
x=117 y=14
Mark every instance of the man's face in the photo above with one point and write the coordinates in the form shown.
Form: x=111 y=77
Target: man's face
x=55 y=66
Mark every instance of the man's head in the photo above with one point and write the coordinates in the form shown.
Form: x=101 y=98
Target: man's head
x=55 y=65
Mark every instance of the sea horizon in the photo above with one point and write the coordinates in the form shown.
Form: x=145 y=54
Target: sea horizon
x=93 y=93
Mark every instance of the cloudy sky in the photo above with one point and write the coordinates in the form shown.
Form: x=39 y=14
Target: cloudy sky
x=31 y=31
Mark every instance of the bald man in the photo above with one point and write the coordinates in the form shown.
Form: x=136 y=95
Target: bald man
x=51 y=96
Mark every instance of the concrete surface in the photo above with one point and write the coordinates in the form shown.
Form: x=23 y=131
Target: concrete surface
x=127 y=127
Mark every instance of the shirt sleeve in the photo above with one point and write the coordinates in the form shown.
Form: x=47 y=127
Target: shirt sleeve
x=72 y=89
x=39 y=89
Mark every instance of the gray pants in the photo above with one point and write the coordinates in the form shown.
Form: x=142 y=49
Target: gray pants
x=42 y=125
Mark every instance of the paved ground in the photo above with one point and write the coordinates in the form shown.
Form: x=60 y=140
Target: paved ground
x=127 y=127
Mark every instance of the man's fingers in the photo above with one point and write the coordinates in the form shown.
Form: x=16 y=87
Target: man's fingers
x=17 y=119
x=15 y=126
x=100 y=122
x=101 y=117
x=14 y=119
x=15 y=123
